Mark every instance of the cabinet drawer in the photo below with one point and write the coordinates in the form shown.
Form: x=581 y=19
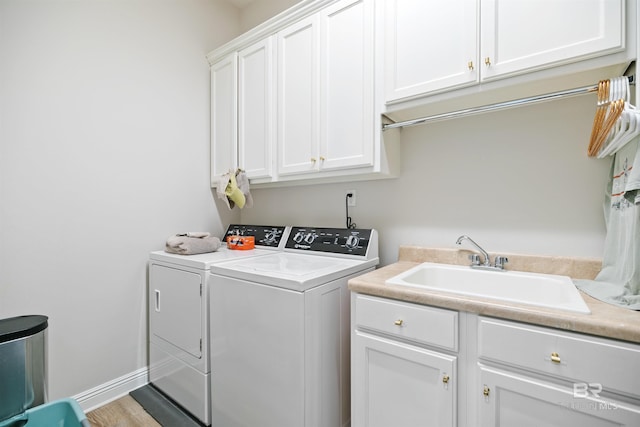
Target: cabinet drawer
x=428 y=325
x=593 y=362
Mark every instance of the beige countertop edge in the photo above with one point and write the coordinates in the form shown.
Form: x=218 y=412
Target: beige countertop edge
x=605 y=320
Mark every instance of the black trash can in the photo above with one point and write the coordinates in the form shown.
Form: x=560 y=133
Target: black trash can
x=23 y=364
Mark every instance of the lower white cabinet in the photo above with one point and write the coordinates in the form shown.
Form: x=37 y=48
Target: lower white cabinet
x=395 y=382
x=511 y=399
x=536 y=376
x=401 y=385
x=415 y=365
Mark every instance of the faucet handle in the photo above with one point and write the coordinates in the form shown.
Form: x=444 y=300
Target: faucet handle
x=501 y=261
x=475 y=259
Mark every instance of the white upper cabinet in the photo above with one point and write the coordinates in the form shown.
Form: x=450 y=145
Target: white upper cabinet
x=429 y=45
x=437 y=45
x=256 y=108
x=224 y=118
x=520 y=35
x=346 y=85
x=326 y=90
x=298 y=97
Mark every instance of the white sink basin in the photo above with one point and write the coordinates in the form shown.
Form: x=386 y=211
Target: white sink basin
x=542 y=290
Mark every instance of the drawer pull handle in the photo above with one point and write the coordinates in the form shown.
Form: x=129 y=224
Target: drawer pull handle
x=445 y=379
x=555 y=357
x=398 y=322
x=485 y=391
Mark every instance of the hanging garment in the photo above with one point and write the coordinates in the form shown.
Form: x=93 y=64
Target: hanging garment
x=233 y=189
x=619 y=280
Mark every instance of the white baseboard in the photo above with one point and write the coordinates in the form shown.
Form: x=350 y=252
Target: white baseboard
x=105 y=393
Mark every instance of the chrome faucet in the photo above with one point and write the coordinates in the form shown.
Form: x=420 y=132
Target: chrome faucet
x=475 y=258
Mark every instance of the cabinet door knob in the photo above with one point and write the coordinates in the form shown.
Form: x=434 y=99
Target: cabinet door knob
x=445 y=379
x=487 y=61
x=485 y=391
x=322 y=159
x=470 y=65
x=398 y=322
x=555 y=357
x=313 y=160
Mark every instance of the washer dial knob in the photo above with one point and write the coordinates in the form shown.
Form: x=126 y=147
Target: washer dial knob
x=352 y=242
x=298 y=237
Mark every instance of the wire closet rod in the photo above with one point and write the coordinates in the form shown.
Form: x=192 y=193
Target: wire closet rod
x=498 y=106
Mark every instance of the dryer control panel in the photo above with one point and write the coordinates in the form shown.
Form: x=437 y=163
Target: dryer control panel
x=266 y=236
x=330 y=240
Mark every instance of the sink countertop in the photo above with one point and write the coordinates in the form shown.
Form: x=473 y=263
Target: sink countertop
x=605 y=320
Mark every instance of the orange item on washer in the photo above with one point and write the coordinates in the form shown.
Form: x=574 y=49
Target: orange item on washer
x=242 y=243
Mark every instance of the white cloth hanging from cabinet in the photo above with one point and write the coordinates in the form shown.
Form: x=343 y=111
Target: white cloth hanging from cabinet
x=233 y=189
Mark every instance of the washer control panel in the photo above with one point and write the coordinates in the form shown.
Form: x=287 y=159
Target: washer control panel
x=265 y=235
x=332 y=240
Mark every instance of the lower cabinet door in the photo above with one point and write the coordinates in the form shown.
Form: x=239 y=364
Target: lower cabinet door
x=396 y=384
x=509 y=399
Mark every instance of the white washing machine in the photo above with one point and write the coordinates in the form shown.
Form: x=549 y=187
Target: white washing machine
x=280 y=352
x=179 y=288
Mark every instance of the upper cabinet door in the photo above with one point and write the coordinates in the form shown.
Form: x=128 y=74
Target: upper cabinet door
x=298 y=97
x=347 y=86
x=224 y=86
x=430 y=45
x=256 y=108
x=521 y=35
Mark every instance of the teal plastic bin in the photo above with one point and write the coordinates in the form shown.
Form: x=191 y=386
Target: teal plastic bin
x=59 y=413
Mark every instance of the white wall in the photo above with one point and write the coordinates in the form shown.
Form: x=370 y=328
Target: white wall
x=259 y=11
x=515 y=181
x=104 y=152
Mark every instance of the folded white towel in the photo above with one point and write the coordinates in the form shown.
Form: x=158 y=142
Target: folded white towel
x=185 y=245
x=197 y=234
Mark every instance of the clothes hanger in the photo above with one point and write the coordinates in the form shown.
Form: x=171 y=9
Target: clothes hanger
x=601 y=110
x=627 y=127
x=608 y=119
x=618 y=129
x=614 y=112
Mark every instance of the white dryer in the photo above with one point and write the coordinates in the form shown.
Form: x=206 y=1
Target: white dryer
x=179 y=288
x=280 y=331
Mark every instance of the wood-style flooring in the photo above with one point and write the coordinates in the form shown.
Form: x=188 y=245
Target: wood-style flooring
x=123 y=412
